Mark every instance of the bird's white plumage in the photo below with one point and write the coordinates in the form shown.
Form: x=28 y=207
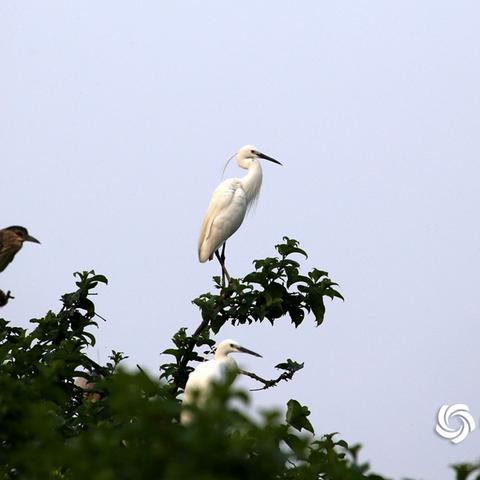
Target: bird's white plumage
x=200 y=380
x=225 y=214
x=230 y=202
x=207 y=373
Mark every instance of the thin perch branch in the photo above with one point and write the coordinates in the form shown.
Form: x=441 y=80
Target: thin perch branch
x=267 y=383
x=204 y=325
x=182 y=364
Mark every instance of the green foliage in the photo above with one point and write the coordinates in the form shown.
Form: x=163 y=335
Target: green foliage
x=297 y=416
x=466 y=471
x=124 y=425
x=276 y=288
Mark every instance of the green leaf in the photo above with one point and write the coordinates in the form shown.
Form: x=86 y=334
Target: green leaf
x=332 y=293
x=91 y=337
x=296 y=444
x=172 y=351
x=296 y=315
x=290 y=366
x=100 y=278
x=297 y=416
x=256 y=277
x=290 y=246
x=315 y=299
x=316 y=274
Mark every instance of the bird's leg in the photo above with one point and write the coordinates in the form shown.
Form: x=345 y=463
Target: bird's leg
x=222 y=256
x=221 y=259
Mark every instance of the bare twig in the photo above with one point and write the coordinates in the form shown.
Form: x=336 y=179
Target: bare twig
x=285 y=376
x=99 y=316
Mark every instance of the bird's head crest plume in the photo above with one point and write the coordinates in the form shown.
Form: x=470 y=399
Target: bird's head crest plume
x=226 y=165
x=248 y=152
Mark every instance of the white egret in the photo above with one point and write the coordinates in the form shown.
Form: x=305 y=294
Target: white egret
x=217 y=370
x=228 y=206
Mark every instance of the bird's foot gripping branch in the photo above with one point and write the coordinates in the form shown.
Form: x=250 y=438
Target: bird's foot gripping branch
x=275 y=289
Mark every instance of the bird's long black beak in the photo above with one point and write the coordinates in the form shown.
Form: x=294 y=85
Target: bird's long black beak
x=29 y=238
x=246 y=350
x=266 y=157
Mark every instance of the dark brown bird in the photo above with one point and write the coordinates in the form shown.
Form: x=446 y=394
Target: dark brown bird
x=11 y=241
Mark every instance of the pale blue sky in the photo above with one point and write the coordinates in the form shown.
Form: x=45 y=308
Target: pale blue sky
x=116 y=119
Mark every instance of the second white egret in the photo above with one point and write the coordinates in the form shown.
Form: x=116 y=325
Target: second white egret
x=229 y=204
x=200 y=380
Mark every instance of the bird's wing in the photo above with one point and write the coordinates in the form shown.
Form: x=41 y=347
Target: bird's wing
x=224 y=215
x=201 y=378
x=207 y=373
x=198 y=386
x=8 y=249
x=199 y=383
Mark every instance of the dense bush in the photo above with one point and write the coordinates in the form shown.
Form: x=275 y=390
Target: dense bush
x=125 y=425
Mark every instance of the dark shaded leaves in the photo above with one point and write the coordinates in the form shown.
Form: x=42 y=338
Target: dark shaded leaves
x=297 y=416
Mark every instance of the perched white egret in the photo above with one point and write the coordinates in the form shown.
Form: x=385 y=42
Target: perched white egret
x=229 y=204
x=200 y=380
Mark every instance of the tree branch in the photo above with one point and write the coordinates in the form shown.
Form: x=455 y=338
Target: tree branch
x=182 y=364
x=285 y=376
x=204 y=325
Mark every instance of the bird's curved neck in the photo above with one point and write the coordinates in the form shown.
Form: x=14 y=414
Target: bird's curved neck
x=225 y=358
x=252 y=181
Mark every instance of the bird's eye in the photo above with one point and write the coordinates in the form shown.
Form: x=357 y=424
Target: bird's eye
x=253 y=152
x=232 y=345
